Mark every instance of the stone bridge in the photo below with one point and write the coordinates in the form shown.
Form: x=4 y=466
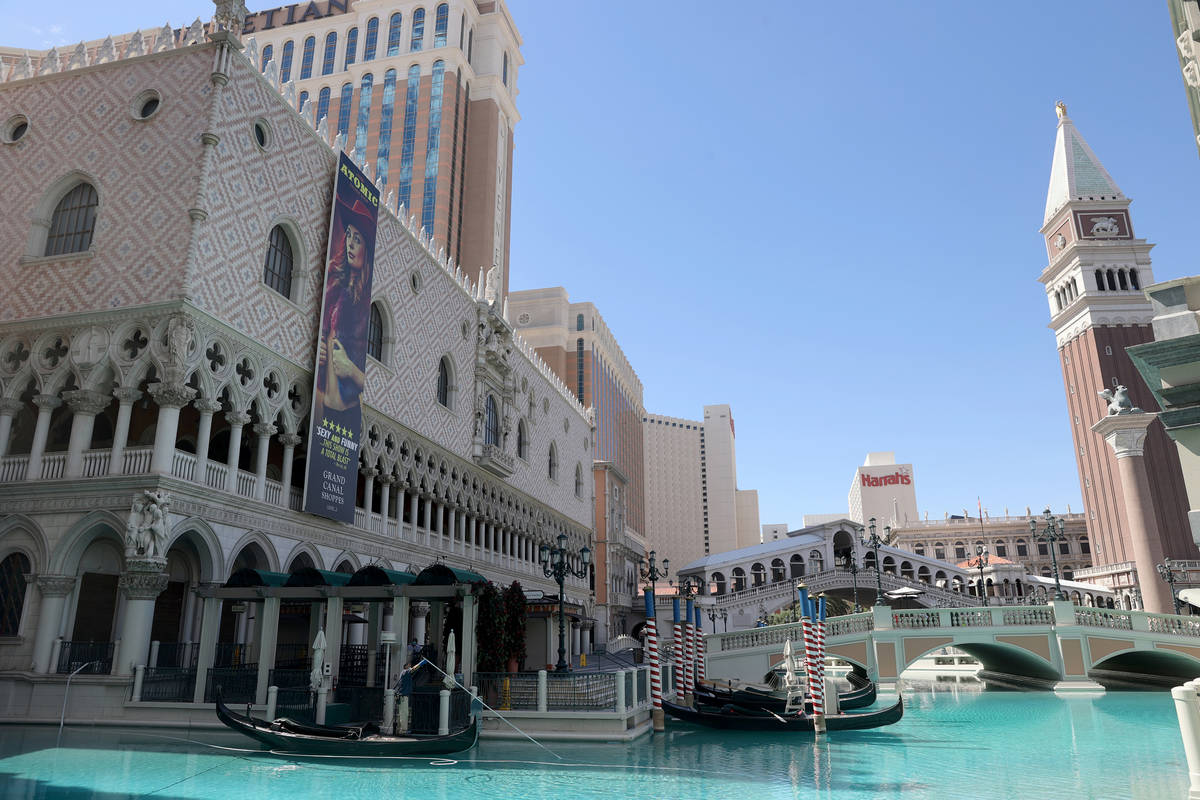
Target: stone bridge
x=1059 y=646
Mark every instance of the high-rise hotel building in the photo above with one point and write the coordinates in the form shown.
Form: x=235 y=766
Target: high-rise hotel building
x=424 y=94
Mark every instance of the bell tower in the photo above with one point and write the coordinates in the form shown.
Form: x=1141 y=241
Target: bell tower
x=1094 y=278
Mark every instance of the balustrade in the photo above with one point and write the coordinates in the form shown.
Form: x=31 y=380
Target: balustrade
x=1171 y=624
x=1103 y=618
x=1039 y=615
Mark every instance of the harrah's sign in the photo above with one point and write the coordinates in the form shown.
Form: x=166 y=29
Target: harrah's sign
x=895 y=479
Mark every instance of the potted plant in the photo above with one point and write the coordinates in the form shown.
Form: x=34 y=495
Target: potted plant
x=490 y=630
x=514 y=626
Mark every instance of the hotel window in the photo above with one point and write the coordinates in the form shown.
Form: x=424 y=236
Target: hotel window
x=73 y=221
x=322 y=104
x=440 y=20
x=13 y=570
x=375 y=333
x=387 y=111
x=306 y=58
x=303 y=102
x=579 y=322
x=491 y=428
x=344 y=108
x=393 y=42
x=330 y=53
x=404 y=186
x=552 y=465
x=1022 y=548
x=443 y=383
x=470 y=44
x=285 y=66
x=364 y=118
x=351 y=47
x=462 y=29
x=432 y=142
x=267 y=52
x=579 y=368
x=418 y=31
x=372 y=39
x=277 y=269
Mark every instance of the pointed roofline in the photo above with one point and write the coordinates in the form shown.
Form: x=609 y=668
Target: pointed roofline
x=1076 y=174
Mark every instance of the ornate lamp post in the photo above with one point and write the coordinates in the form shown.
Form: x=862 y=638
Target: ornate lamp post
x=1054 y=531
x=1168 y=574
x=762 y=615
x=724 y=619
x=796 y=585
x=712 y=617
x=556 y=565
x=651 y=572
x=852 y=566
x=873 y=541
x=688 y=586
x=981 y=561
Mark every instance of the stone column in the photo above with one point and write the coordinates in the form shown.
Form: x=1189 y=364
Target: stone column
x=385 y=498
x=290 y=442
x=368 y=474
x=8 y=409
x=85 y=404
x=428 y=519
x=453 y=528
x=54 y=590
x=46 y=404
x=126 y=397
x=264 y=431
x=573 y=650
x=268 y=632
x=412 y=511
x=237 y=420
x=141 y=583
x=333 y=634
x=420 y=611
x=210 y=624
x=1126 y=434
x=170 y=398
x=203 y=434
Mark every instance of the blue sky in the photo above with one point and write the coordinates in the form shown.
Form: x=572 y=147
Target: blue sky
x=824 y=214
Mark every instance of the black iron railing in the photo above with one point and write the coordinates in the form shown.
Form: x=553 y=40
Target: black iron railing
x=289 y=678
x=229 y=654
x=508 y=691
x=298 y=703
x=425 y=706
x=178 y=654
x=168 y=684
x=238 y=684
x=73 y=655
x=292 y=656
x=352 y=669
x=366 y=702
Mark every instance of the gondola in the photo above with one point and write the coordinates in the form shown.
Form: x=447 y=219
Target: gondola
x=731 y=717
x=774 y=700
x=287 y=737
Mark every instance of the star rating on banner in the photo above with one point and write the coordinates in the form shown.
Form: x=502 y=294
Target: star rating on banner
x=340 y=430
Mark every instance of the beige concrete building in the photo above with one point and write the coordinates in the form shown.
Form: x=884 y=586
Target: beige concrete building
x=883 y=489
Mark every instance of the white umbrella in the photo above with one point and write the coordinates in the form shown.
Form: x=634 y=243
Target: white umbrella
x=904 y=591
x=450 y=653
x=1191 y=596
x=318 y=657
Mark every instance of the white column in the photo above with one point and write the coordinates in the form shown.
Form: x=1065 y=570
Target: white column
x=203 y=434
x=46 y=404
x=289 y=441
x=209 y=628
x=237 y=420
x=412 y=511
x=8 y=409
x=141 y=584
x=333 y=634
x=170 y=398
x=268 y=631
x=85 y=404
x=54 y=590
x=453 y=528
x=264 y=431
x=420 y=612
x=368 y=474
x=428 y=520
x=385 y=499
x=126 y=397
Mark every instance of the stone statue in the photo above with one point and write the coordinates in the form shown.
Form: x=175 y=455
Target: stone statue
x=230 y=15
x=146 y=531
x=1119 y=402
x=1105 y=226
x=180 y=331
x=1060 y=108
x=491 y=289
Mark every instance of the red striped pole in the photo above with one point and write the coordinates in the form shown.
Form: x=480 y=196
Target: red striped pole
x=678 y=654
x=656 y=713
x=689 y=655
x=700 y=648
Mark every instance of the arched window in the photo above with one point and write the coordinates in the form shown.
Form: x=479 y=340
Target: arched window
x=758 y=574
x=939 y=551
x=718 y=580
x=443 y=391
x=552 y=462
x=344 y=103
x=578 y=480
x=739 y=579
x=522 y=440
x=470 y=44
x=504 y=73
x=778 y=573
x=73 y=221
x=579 y=322
x=303 y=102
x=306 y=57
x=491 y=423
x=393 y=42
x=1000 y=548
x=1112 y=281
x=462 y=28
x=1022 y=548
x=372 y=39
x=408 y=143
x=277 y=270
x=432 y=142
x=1121 y=279
x=418 y=31
x=285 y=65
x=441 y=19
x=375 y=333
x=13 y=570
x=351 y=48
x=267 y=52
x=960 y=551
x=1100 y=280
x=1133 y=279
x=387 y=110
x=797 y=565
x=330 y=53
x=322 y=104
x=816 y=561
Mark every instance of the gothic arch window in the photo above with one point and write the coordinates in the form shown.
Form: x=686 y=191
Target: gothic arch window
x=351 y=48
x=522 y=440
x=1058 y=300
x=73 y=221
x=285 y=65
x=306 y=57
x=13 y=570
x=1133 y=279
x=491 y=423
x=1112 y=281
x=330 y=53
x=1100 y=280
x=375 y=333
x=277 y=268
x=578 y=480
x=445 y=386
x=1124 y=284
x=372 y=40
x=393 y=41
x=552 y=463
x=267 y=52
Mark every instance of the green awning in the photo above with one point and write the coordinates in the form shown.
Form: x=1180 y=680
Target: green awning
x=444 y=575
x=309 y=576
x=372 y=575
x=256 y=577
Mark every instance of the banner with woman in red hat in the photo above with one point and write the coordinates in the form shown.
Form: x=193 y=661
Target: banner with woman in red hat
x=335 y=425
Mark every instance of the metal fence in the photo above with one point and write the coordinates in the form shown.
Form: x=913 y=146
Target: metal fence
x=352 y=667
x=178 y=654
x=98 y=656
x=425 y=705
x=229 y=654
x=581 y=691
x=298 y=703
x=366 y=702
x=168 y=684
x=293 y=656
x=238 y=684
x=508 y=691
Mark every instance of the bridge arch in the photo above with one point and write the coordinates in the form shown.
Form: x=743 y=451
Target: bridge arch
x=1171 y=663
x=1030 y=659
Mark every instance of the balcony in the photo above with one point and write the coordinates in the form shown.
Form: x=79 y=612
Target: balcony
x=495 y=460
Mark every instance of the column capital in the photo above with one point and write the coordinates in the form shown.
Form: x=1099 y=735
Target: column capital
x=387 y=478
x=127 y=395
x=368 y=472
x=1125 y=433
x=142 y=585
x=206 y=406
x=237 y=418
x=9 y=406
x=290 y=439
x=55 y=585
x=171 y=395
x=265 y=429
x=419 y=608
x=86 y=401
x=47 y=402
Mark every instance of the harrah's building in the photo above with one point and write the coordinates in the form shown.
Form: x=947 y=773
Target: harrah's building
x=884 y=490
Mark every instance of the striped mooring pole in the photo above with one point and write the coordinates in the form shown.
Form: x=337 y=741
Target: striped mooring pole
x=689 y=652
x=656 y=714
x=677 y=652
x=700 y=650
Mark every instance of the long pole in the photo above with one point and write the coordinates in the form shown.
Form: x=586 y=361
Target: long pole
x=655 y=669
x=561 y=577
x=1058 y=592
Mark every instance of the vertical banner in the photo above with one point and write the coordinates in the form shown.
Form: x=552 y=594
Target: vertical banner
x=335 y=424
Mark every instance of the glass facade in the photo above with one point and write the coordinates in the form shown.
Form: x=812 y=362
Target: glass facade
x=441 y=21
x=351 y=47
x=418 y=31
x=364 y=118
x=330 y=53
x=372 y=39
x=432 y=146
x=387 y=110
x=404 y=188
x=285 y=65
x=306 y=58
x=393 y=43
x=344 y=108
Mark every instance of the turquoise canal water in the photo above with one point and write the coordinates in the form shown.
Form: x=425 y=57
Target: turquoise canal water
x=960 y=744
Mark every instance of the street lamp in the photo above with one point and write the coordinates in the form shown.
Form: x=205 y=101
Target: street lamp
x=556 y=565
x=981 y=561
x=724 y=619
x=796 y=587
x=762 y=615
x=712 y=617
x=873 y=541
x=651 y=572
x=852 y=566
x=1168 y=575
x=1054 y=531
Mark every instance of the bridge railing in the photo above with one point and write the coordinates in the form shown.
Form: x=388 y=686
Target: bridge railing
x=972 y=617
x=1171 y=624
x=1104 y=618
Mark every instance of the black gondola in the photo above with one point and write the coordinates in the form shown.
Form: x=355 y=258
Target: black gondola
x=774 y=700
x=286 y=737
x=737 y=718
